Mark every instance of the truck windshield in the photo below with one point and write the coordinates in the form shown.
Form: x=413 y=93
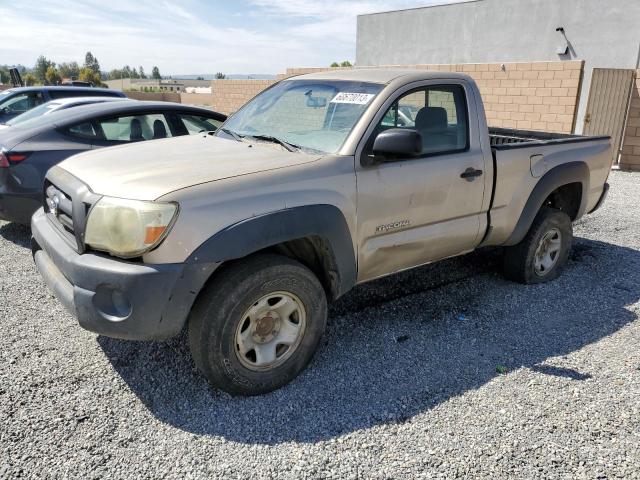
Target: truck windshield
x=315 y=115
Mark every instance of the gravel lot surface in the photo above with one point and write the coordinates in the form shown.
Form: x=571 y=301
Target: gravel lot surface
x=447 y=371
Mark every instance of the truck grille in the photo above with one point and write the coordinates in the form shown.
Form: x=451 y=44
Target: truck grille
x=67 y=213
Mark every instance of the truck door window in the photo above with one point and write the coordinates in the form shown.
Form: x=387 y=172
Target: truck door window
x=437 y=113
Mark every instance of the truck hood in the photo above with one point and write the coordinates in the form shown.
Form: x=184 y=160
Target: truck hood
x=149 y=170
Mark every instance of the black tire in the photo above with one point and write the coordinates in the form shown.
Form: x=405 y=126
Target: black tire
x=519 y=259
x=215 y=317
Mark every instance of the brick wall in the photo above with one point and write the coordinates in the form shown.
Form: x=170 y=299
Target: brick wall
x=630 y=158
x=529 y=96
x=230 y=95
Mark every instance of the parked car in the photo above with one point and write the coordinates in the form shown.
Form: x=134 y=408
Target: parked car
x=30 y=148
x=57 y=105
x=309 y=189
x=16 y=101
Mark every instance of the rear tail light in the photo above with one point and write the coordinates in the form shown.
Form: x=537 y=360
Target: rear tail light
x=8 y=159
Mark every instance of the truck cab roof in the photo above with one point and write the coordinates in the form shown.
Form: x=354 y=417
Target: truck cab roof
x=380 y=75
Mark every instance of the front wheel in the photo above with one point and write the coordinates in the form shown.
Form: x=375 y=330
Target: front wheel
x=543 y=252
x=258 y=324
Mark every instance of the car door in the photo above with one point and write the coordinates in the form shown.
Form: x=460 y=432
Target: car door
x=131 y=127
x=419 y=209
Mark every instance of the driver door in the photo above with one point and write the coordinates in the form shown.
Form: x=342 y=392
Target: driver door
x=418 y=209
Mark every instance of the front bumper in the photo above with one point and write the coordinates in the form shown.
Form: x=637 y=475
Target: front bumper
x=113 y=297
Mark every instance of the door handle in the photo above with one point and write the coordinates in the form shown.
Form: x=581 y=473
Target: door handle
x=470 y=174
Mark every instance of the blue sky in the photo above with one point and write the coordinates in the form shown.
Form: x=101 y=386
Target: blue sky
x=190 y=36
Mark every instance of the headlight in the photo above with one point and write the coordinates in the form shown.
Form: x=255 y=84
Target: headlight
x=128 y=228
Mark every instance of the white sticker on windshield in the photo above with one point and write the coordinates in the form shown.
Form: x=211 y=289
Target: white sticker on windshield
x=353 y=98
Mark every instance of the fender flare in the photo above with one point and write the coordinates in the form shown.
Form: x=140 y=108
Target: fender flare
x=257 y=233
x=572 y=172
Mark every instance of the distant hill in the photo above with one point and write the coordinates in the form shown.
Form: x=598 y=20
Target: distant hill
x=232 y=76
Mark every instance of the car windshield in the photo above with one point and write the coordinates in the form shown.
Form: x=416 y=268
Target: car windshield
x=43 y=109
x=315 y=115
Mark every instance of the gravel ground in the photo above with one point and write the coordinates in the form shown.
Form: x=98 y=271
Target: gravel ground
x=447 y=371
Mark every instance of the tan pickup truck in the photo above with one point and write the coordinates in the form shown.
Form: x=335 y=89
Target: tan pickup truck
x=319 y=183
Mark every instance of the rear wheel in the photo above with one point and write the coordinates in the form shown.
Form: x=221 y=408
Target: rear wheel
x=543 y=252
x=258 y=324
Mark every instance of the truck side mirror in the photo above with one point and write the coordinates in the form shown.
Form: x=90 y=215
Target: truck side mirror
x=397 y=142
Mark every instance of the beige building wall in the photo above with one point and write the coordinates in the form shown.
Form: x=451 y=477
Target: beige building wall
x=630 y=158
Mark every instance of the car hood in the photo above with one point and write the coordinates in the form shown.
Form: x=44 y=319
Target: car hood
x=149 y=170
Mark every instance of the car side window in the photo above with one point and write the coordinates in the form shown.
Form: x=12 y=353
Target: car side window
x=437 y=113
x=84 y=130
x=135 y=128
x=197 y=123
x=22 y=102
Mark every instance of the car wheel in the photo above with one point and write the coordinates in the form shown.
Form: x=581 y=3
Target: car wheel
x=257 y=324
x=543 y=252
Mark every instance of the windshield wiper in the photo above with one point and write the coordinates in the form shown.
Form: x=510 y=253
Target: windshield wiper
x=269 y=138
x=233 y=134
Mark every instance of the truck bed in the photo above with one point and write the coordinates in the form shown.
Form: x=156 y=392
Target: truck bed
x=507 y=138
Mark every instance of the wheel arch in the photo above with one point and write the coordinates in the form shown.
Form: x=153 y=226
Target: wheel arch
x=565 y=187
x=316 y=235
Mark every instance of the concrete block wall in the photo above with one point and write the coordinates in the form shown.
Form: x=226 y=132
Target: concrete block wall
x=528 y=96
x=630 y=158
x=230 y=95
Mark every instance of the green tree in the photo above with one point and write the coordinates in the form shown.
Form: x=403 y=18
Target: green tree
x=29 y=79
x=334 y=65
x=69 y=70
x=155 y=73
x=220 y=76
x=88 y=75
x=91 y=62
x=346 y=63
x=52 y=77
x=141 y=72
x=41 y=67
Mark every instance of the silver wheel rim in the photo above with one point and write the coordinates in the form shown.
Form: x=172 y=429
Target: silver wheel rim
x=270 y=331
x=548 y=252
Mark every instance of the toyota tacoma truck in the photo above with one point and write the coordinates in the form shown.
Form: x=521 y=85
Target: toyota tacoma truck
x=320 y=183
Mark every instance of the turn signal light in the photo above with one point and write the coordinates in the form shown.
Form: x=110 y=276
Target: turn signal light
x=153 y=234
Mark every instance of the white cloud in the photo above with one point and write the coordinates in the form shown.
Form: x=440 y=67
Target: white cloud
x=177 y=39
